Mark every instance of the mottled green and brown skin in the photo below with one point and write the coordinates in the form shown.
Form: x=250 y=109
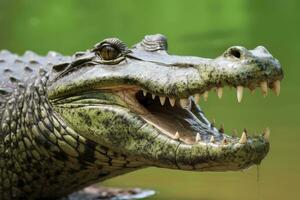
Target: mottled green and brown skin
x=69 y=122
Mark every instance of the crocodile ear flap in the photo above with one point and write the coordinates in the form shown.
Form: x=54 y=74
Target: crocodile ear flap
x=60 y=67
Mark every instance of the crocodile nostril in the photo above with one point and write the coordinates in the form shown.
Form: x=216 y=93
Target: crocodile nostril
x=235 y=52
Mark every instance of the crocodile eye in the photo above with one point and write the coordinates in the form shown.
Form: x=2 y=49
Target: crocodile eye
x=108 y=52
x=111 y=50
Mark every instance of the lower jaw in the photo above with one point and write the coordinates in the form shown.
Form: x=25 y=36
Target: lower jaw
x=168 y=153
x=187 y=154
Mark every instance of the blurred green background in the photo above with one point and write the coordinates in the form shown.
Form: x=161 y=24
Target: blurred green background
x=194 y=27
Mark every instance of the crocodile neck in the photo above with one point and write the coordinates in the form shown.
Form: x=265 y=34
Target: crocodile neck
x=35 y=143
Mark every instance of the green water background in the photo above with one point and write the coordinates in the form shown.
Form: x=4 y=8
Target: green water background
x=194 y=27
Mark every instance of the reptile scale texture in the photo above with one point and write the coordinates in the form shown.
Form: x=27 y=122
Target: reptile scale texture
x=68 y=122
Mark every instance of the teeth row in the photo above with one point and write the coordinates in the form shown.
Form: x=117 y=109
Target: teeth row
x=184 y=103
x=266 y=136
x=243 y=139
x=240 y=90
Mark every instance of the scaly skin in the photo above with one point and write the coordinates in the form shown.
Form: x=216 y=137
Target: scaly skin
x=69 y=122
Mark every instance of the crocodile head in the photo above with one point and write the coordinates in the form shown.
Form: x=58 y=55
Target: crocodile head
x=143 y=103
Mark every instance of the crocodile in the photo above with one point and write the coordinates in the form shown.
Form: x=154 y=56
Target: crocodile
x=68 y=122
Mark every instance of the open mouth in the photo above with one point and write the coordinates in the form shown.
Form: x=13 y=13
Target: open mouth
x=183 y=120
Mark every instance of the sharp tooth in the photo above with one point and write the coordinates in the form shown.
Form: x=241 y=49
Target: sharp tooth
x=162 y=100
x=172 y=101
x=224 y=141
x=176 y=137
x=212 y=139
x=220 y=92
x=189 y=103
x=205 y=95
x=197 y=98
x=264 y=87
x=267 y=134
x=222 y=128
x=212 y=124
x=184 y=103
x=144 y=92
x=239 y=93
x=153 y=96
x=243 y=139
x=198 y=137
x=276 y=87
